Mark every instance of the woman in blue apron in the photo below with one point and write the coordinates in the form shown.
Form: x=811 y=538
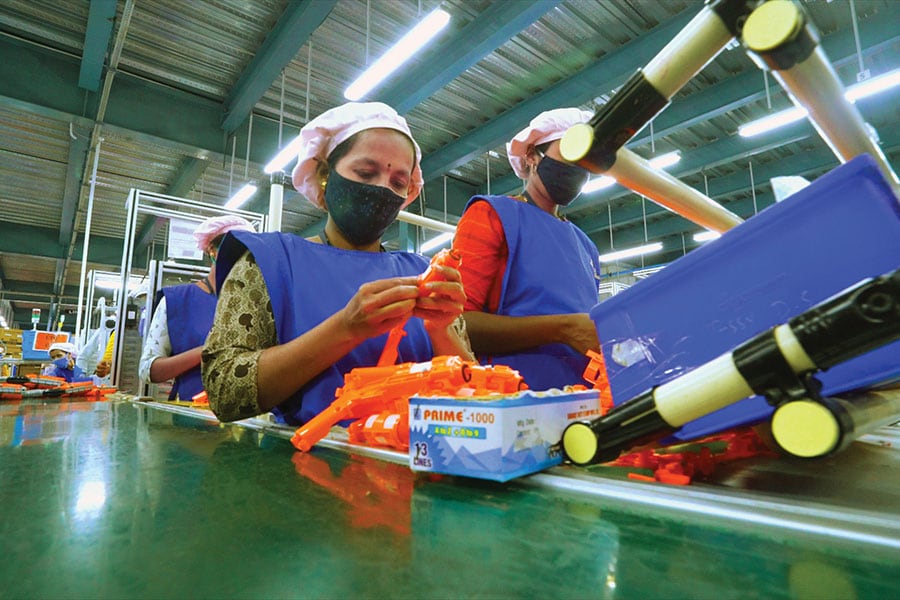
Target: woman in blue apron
x=296 y=314
x=182 y=318
x=531 y=277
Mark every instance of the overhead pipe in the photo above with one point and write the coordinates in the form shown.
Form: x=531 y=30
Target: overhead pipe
x=87 y=240
x=780 y=37
x=598 y=145
x=636 y=173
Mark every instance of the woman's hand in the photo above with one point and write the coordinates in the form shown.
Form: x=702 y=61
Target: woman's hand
x=441 y=300
x=579 y=332
x=378 y=306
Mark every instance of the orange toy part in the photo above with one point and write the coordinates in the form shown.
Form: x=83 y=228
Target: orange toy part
x=679 y=464
x=373 y=390
x=595 y=373
x=446 y=258
x=387 y=428
x=201 y=399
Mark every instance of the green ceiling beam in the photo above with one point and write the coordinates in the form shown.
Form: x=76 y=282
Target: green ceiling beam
x=21 y=290
x=295 y=26
x=97 y=35
x=455 y=53
x=30 y=240
x=185 y=121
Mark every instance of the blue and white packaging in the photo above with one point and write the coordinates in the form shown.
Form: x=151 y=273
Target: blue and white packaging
x=494 y=437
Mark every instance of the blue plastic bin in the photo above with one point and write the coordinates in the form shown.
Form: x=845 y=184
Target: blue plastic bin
x=843 y=228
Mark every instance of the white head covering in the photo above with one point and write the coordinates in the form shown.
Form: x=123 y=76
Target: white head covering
x=213 y=227
x=324 y=133
x=548 y=126
x=66 y=347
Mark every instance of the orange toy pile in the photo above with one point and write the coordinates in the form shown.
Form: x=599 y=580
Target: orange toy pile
x=45 y=386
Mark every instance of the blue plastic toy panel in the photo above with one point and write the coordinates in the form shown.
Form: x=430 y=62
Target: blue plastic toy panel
x=843 y=228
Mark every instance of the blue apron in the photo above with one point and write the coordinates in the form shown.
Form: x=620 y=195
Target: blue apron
x=189 y=317
x=308 y=283
x=553 y=268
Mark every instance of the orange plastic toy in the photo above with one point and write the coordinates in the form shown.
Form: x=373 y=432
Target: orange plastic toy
x=446 y=258
x=371 y=391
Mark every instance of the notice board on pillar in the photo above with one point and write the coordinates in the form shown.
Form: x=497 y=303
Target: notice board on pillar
x=36 y=344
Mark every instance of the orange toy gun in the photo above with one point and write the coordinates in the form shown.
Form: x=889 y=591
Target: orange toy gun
x=373 y=390
x=446 y=258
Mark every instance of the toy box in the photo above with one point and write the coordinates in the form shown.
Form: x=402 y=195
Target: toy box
x=497 y=437
x=843 y=228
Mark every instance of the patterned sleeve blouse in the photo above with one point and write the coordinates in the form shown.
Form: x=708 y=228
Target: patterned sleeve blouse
x=243 y=328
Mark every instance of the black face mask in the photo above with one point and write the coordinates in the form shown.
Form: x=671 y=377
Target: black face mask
x=562 y=181
x=362 y=212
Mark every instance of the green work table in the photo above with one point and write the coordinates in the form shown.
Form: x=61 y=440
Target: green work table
x=124 y=499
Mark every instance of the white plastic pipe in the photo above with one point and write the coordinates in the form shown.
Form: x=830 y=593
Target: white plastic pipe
x=637 y=174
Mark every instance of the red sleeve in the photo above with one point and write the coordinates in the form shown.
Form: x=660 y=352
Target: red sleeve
x=482 y=244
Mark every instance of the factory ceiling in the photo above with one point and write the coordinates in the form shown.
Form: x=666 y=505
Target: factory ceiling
x=193 y=98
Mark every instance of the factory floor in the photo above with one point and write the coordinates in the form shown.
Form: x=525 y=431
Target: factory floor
x=126 y=499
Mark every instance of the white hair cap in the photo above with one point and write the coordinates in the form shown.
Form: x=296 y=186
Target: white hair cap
x=213 y=227
x=324 y=133
x=66 y=347
x=548 y=126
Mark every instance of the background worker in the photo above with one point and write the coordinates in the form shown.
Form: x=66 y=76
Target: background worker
x=183 y=316
x=296 y=314
x=531 y=276
x=63 y=356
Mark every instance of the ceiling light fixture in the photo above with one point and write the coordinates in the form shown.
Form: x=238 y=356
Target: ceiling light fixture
x=398 y=54
x=284 y=157
x=241 y=196
x=631 y=252
x=436 y=242
x=705 y=236
x=867 y=88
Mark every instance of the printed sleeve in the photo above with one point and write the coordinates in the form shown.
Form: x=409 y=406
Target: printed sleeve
x=157 y=343
x=244 y=326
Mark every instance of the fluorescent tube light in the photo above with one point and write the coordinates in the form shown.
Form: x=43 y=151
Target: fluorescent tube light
x=705 y=236
x=773 y=121
x=598 y=183
x=855 y=92
x=398 y=54
x=113 y=284
x=631 y=252
x=873 y=86
x=284 y=157
x=665 y=160
x=436 y=242
x=242 y=195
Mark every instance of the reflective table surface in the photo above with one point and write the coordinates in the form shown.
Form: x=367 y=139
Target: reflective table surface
x=130 y=500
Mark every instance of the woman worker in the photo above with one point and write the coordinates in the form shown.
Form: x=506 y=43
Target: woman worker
x=63 y=356
x=295 y=314
x=183 y=317
x=531 y=276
